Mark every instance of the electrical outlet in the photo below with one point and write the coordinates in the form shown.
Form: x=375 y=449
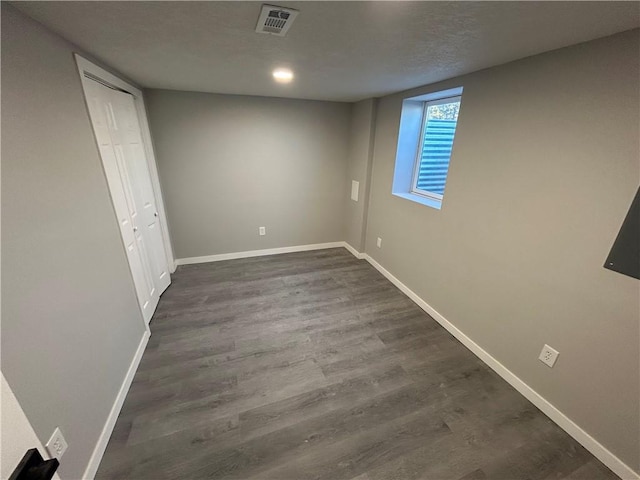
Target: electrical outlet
x=379 y=243
x=548 y=356
x=57 y=445
x=262 y=231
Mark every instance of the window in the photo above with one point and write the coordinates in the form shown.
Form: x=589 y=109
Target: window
x=432 y=163
x=425 y=142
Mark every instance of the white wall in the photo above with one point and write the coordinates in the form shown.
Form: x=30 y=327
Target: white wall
x=545 y=164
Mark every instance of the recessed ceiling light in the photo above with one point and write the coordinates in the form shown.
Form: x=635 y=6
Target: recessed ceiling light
x=282 y=75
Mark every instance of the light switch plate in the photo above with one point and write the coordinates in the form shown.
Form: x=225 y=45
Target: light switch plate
x=355 y=187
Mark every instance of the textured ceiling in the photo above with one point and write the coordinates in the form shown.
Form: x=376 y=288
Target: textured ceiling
x=342 y=51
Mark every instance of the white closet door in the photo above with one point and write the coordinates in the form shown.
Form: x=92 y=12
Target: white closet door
x=123 y=179
x=126 y=129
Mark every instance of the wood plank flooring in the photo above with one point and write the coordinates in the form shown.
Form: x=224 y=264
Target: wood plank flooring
x=313 y=366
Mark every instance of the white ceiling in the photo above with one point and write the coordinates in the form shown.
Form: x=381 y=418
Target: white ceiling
x=343 y=51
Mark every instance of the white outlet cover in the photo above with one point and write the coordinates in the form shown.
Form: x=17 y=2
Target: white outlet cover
x=379 y=242
x=57 y=445
x=355 y=188
x=548 y=356
x=262 y=230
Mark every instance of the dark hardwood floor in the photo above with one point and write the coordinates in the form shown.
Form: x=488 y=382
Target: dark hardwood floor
x=313 y=366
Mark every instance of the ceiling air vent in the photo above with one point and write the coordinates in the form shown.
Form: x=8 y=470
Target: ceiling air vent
x=275 y=20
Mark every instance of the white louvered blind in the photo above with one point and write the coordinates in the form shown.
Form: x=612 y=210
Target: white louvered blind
x=434 y=152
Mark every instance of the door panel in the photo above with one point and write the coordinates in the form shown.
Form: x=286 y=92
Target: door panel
x=146 y=267
x=135 y=162
x=100 y=118
x=127 y=183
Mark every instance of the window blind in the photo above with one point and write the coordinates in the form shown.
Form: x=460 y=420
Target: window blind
x=435 y=155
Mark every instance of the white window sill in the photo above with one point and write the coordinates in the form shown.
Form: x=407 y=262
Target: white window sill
x=429 y=202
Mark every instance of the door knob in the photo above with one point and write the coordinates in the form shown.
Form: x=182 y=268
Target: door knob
x=135 y=229
x=155 y=214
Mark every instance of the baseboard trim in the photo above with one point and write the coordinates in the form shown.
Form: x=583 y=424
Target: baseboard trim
x=353 y=251
x=98 y=451
x=587 y=441
x=257 y=253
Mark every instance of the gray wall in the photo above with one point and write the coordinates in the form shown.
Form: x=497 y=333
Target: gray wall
x=70 y=319
x=359 y=169
x=544 y=167
x=229 y=164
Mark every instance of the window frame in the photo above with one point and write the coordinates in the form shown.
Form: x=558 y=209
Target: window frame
x=421 y=140
x=408 y=142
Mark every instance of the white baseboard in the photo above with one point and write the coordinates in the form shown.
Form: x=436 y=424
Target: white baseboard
x=587 y=441
x=353 y=251
x=98 y=451
x=257 y=253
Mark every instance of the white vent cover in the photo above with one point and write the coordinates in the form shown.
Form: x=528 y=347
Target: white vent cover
x=275 y=20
